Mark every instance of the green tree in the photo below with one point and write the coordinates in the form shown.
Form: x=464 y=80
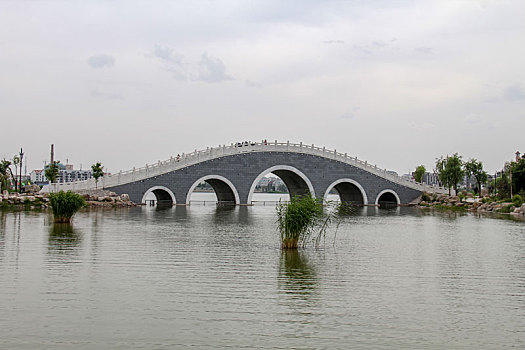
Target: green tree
x=97 y=172
x=518 y=176
x=418 y=174
x=475 y=168
x=450 y=171
x=51 y=172
x=5 y=174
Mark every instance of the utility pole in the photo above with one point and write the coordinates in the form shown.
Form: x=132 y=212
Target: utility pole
x=21 y=162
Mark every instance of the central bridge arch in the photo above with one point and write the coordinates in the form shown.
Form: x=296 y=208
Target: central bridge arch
x=349 y=190
x=224 y=189
x=297 y=183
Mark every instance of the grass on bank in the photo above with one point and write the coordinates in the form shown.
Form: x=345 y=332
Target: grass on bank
x=65 y=204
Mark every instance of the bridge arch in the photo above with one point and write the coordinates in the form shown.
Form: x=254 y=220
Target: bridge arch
x=163 y=195
x=224 y=189
x=294 y=179
x=387 y=196
x=350 y=191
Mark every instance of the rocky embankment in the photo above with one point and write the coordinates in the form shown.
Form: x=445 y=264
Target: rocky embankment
x=40 y=200
x=481 y=205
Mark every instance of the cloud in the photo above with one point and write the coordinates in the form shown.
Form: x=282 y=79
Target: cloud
x=212 y=70
x=105 y=95
x=171 y=61
x=425 y=50
x=252 y=84
x=101 y=61
x=209 y=69
x=166 y=53
x=473 y=118
x=514 y=92
x=349 y=114
x=333 y=42
x=421 y=125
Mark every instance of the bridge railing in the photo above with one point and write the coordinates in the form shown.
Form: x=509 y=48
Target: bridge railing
x=197 y=156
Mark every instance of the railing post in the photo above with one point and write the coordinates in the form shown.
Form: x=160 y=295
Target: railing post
x=146 y=169
x=324 y=150
x=346 y=156
x=301 y=146
x=335 y=154
x=287 y=145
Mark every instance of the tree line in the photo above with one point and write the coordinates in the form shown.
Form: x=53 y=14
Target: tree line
x=451 y=171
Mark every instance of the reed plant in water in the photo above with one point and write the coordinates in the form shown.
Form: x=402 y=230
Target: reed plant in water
x=306 y=218
x=298 y=219
x=65 y=205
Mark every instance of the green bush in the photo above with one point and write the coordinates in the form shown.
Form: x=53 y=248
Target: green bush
x=506 y=209
x=65 y=205
x=516 y=199
x=425 y=197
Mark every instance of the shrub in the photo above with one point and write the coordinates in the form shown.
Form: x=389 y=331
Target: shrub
x=425 y=197
x=516 y=199
x=65 y=205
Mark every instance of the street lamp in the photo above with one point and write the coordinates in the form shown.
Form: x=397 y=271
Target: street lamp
x=21 y=159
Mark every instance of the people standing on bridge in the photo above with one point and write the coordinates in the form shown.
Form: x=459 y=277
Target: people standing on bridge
x=178 y=157
x=265 y=142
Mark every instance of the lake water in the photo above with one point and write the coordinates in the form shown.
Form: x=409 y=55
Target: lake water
x=212 y=278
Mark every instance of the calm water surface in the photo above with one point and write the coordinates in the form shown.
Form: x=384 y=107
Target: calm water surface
x=211 y=278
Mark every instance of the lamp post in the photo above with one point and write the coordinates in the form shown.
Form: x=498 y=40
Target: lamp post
x=21 y=159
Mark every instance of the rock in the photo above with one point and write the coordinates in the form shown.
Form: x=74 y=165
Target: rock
x=30 y=198
x=112 y=194
x=100 y=199
x=5 y=193
x=31 y=188
x=125 y=197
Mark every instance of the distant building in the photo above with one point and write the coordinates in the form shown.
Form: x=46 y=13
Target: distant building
x=37 y=177
x=66 y=173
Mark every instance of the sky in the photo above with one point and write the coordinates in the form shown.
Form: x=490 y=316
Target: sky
x=396 y=83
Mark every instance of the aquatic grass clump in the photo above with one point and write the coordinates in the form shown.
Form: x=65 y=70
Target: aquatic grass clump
x=65 y=205
x=298 y=219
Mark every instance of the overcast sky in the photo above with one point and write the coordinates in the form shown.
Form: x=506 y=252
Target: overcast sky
x=396 y=83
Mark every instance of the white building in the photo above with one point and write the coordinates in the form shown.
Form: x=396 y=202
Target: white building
x=66 y=173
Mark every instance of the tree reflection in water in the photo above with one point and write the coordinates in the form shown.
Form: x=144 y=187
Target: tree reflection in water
x=63 y=238
x=297 y=277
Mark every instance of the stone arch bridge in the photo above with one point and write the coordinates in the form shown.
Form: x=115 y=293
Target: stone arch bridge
x=234 y=171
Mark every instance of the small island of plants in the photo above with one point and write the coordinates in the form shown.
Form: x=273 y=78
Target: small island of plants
x=65 y=204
